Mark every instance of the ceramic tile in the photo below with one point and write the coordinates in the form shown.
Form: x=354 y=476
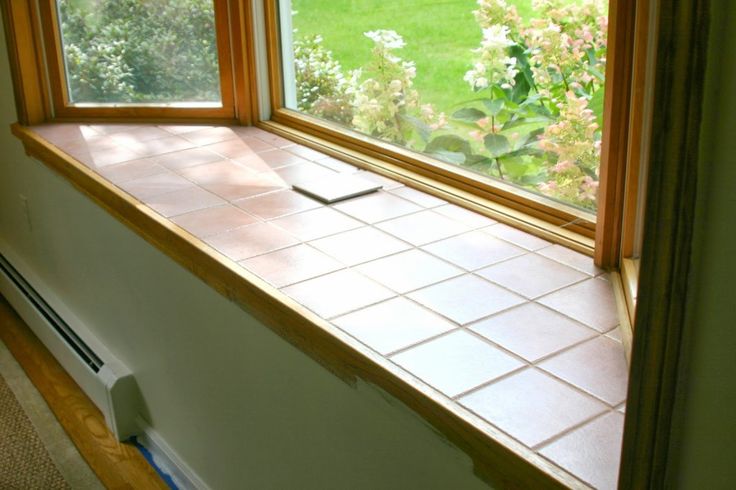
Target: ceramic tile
x=466 y=298
x=360 y=245
x=418 y=197
x=336 y=165
x=532 y=275
x=409 y=270
x=161 y=146
x=597 y=367
x=393 y=324
x=139 y=134
x=211 y=221
x=101 y=157
x=591 y=452
x=273 y=139
x=291 y=265
x=134 y=169
x=210 y=135
x=456 y=362
x=183 y=201
x=532 y=406
x=386 y=183
x=572 y=258
x=187 y=158
x=65 y=133
x=234 y=148
x=153 y=185
x=464 y=216
x=517 y=237
x=251 y=240
x=317 y=223
x=615 y=334
x=305 y=152
x=532 y=331
x=422 y=228
x=256 y=144
x=591 y=302
x=277 y=204
x=473 y=250
x=337 y=293
x=182 y=128
x=280 y=158
x=230 y=180
x=379 y=206
x=335 y=187
x=294 y=174
x=114 y=128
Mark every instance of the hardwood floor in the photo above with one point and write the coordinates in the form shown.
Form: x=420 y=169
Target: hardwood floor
x=117 y=465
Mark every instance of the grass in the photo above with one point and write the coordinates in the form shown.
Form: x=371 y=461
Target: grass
x=439 y=37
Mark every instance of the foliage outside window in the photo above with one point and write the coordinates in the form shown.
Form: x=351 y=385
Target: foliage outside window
x=140 y=51
x=527 y=109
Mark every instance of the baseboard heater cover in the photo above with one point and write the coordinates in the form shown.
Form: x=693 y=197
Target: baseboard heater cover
x=108 y=382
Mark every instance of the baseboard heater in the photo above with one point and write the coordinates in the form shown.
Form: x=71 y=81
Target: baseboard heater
x=108 y=383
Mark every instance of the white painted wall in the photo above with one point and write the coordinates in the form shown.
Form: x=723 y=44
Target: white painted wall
x=243 y=408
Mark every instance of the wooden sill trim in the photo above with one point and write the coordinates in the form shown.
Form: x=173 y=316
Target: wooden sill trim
x=498 y=459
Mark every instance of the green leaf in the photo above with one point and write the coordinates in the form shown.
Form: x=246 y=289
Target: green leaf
x=497 y=144
x=596 y=105
x=494 y=106
x=469 y=114
x=448 y=144
x=449 y=156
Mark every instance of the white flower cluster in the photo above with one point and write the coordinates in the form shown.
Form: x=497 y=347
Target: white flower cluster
x=493 y=66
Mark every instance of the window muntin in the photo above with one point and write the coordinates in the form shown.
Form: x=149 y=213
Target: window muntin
x=491 y=94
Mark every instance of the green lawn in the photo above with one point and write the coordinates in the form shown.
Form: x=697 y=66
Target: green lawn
x=439 y=37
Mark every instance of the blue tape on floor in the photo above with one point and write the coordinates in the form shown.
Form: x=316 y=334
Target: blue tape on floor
x=149 y=457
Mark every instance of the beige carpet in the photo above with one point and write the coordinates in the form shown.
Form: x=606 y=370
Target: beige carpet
x=35 y=452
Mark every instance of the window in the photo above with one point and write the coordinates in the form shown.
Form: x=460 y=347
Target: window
x=153 y=58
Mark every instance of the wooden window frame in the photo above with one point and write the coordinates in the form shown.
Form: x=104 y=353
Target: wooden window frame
x=601 y=227
x=37 y=34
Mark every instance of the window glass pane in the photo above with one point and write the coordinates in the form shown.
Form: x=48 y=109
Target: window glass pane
x=140 y=51
x=510 y=90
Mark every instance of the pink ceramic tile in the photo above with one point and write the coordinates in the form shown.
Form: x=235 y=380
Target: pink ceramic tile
x=572 y=258
x=597 y=366
x=473 y=250
x=277 y=204
x=187 y=158
x=160 y=183
x=160 y=146
x=234 y=148
x=423 y=227
x=388 y=184
x=134 y=169
x=379 y=206
x=273 y=139
x=393 y=324
x=210 y=135
x=418 y=197
x=256 y=144
x=466 y=298
x=516 y=236
x=531 y=406
x=182 y=128
x=409 y=270
x=183 y=201
x=336 y=165
x=251 y=240
x=591 y=302
x=456 y=362
x=305 y=152
x=615 y=334
x=103 y=156
x=65 y=133
x=114 y=128
x=592 y=452
x=279 y=158
x=291 y=265
x=230 y=180
x=316 y=223
x=301 y=172
x=532 y=275
x=532 y=331
x=211 y=221
x=140 y=134
x=337 y=293
x=360 y=245
x=464 y=216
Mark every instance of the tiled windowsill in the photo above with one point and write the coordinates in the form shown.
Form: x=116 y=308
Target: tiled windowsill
x=511 y=337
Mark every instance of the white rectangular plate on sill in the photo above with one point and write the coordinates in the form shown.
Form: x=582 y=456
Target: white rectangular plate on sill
x=336 y=188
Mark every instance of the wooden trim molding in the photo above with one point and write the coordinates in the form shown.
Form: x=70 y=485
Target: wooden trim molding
x=116 y=464
x=666 y=253
x=498 y=458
